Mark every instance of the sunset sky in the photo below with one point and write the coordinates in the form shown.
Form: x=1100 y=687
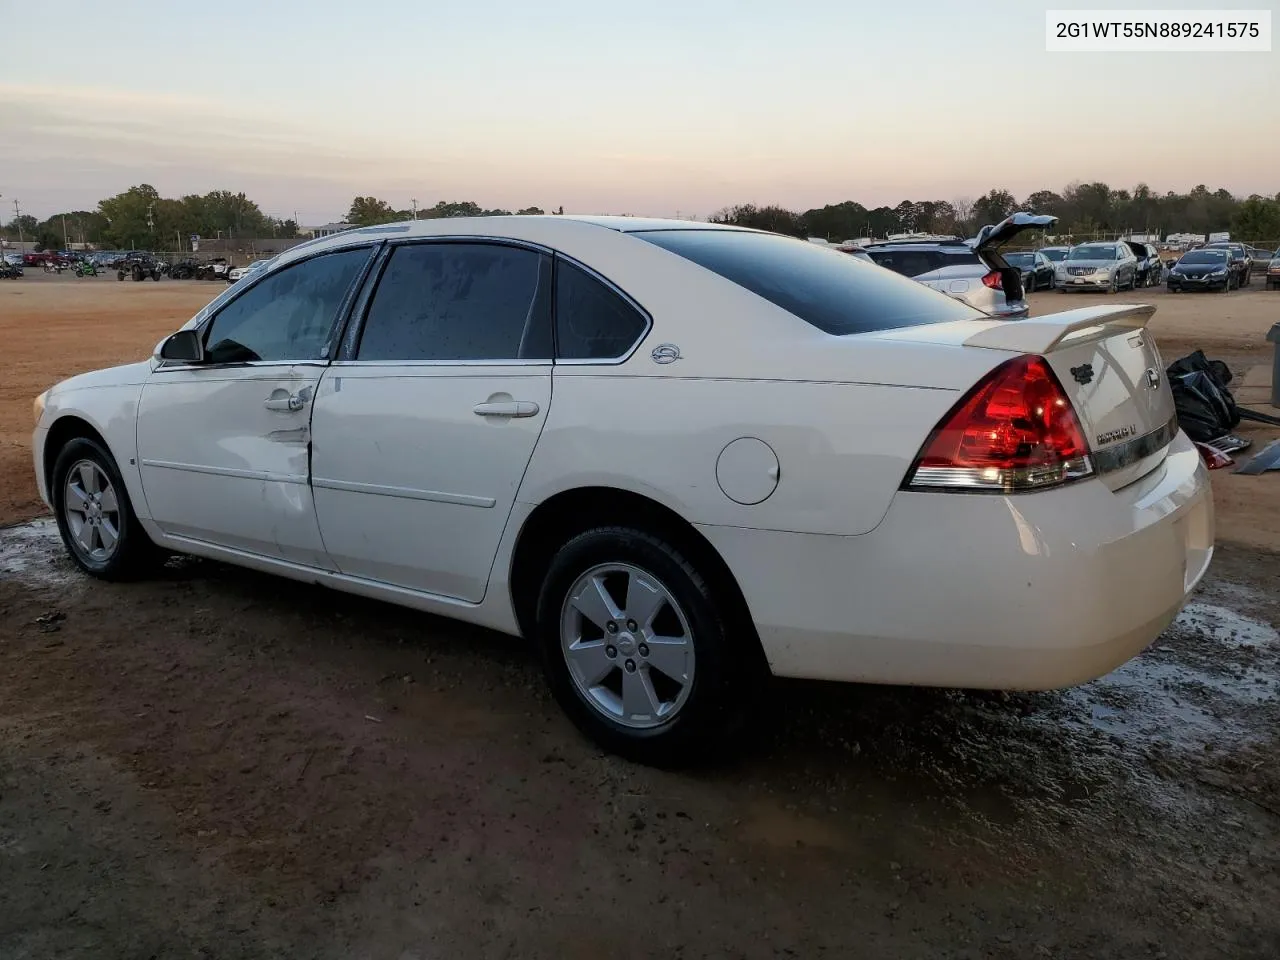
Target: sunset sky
x=647 y=108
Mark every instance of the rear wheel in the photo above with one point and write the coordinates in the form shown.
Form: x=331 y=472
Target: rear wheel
x=636 y=648
x=95 y=517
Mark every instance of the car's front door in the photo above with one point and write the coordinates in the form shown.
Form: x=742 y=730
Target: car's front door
x=423 y=429
x=223 y=444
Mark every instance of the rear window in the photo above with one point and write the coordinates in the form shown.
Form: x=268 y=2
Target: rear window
x=837 y=294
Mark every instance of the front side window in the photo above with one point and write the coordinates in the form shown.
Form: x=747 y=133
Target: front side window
x=460 y=301
x=593 y=322
x=289 y=315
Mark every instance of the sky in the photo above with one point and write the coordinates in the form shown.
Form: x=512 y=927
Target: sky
x=654 y=108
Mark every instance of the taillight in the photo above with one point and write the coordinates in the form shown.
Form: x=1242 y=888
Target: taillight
x=1015 y=430
x=993 y=280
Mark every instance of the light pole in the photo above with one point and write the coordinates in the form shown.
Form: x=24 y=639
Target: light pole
x=17 y=217
x=415 y=207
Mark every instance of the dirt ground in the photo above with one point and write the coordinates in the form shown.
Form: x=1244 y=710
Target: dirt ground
x=221 y=764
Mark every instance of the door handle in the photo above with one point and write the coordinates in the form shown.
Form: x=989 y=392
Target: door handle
x=507 y=408
x=292 y=403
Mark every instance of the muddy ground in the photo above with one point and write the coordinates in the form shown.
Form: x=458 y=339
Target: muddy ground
x=221 y=764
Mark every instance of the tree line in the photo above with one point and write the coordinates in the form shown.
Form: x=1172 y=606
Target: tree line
x=139 y=218
x=1082 y=209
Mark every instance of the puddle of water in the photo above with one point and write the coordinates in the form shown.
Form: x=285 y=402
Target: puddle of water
x=1200 y=683
x=33 y=552
x=1225 y=626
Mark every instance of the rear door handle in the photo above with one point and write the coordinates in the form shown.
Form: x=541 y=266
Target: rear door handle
x=507 y=408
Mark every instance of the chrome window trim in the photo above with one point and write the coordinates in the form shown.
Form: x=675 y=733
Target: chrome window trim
x=167 y=366
x=442 y=363
x=1121 y=455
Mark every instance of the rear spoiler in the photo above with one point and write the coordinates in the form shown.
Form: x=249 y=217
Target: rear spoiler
x=1042 y=334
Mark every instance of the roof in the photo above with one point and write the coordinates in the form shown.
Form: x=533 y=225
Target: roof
x=545 y=228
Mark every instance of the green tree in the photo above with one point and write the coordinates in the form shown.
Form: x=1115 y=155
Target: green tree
x=992 y=207
x=368 y=211
x=530 y=212
x=1257 y=218
x=127 y=214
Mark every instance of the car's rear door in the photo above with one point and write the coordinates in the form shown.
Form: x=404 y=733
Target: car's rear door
x=424 y=426
x=223 y=444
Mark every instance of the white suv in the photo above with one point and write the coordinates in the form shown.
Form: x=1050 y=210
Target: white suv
x=969 y=270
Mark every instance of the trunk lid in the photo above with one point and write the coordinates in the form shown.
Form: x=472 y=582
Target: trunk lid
x=1110 y=367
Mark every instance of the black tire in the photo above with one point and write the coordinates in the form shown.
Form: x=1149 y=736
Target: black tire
x=119 y=274
x=715 y=708
x=135 y=555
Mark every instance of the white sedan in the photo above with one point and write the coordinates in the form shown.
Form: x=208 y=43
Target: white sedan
x=676 y=456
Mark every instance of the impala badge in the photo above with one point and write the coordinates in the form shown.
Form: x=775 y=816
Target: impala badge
x=1111 y=436
x=665 y=353
x=1153 y=378
x=1083 y=373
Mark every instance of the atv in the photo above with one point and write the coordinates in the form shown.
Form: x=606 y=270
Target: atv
x=185 y=269
x=137 y=268
x=9 y=271
x=86 y=268
x=214 y=269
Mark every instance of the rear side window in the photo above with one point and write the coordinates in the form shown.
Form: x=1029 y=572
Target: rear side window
x=460 y=301
x=835 y=293
x=909 y=263
x=593 y=322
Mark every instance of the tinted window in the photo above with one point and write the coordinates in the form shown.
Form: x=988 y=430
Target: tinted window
x=289 y=315
x=1056 y=255
x=460 y=301
x=836 y=294
x=1021 y=259
x=1205 y=256
x=909 y=263
x=1093 y=252
x=592 y=321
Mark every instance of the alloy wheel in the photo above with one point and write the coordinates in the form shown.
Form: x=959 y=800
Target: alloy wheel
x=92 y=511
x=628 y=646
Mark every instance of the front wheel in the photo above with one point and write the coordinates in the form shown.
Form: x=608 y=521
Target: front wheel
x=636 y=648
x=95 y=517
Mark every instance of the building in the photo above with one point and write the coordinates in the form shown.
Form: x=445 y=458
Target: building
x=328 y=229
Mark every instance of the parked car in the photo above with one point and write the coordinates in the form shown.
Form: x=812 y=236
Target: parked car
x=1054 y=255
x=1107 y=266
x=1241 y=264
x=1203 y=269
x=855 y=251
x=1259 y=259
x=1150 y=267
x=237 y=273
x=1273 y=271
x=1037 y=269
x=445 y=417
x=973 y=271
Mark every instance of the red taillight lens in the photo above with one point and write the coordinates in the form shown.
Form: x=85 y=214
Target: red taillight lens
x=993 y=280
x=1015 y=430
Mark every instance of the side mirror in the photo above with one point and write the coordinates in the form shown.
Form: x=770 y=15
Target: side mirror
x=183 y=347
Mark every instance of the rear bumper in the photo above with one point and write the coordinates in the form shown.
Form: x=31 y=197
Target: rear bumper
x=1028 y=592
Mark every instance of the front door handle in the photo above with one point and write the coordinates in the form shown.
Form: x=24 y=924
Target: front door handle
x=281 y=400
x=507 y=408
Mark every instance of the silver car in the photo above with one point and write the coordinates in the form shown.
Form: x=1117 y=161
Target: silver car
x=970 y=270
x=1108 y=266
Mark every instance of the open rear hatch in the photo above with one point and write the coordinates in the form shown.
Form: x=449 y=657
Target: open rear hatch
x=1109 y=365
x=993 y=236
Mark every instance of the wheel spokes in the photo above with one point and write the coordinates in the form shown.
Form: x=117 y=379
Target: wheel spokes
x=88 y=478
x=77 y=500
x=86 y=538
x=639 y=699
x=670 y=657
x=108 y=499
x=108 y=534
x=644 y=600
x=589 y=660
x=594 y=603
